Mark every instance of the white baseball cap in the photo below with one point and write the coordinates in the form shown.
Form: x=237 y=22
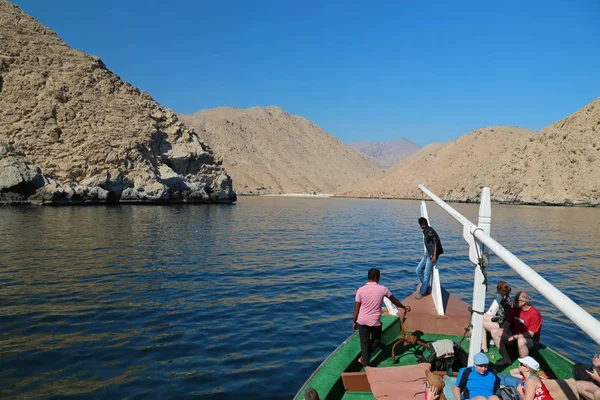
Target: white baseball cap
x=530 y=362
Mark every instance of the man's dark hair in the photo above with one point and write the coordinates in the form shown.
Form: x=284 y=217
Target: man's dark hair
x=373 y=274
x=311 y=394
x=422 y=221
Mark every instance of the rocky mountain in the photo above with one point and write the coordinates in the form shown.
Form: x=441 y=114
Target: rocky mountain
x=385 y=154
x=558 y=165
x=447 y=168
x=271 y=151
x=72 y=131
x=562 y=164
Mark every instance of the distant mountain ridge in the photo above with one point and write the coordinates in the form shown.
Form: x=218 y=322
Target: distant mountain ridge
x=271 y=151
x=386 y=154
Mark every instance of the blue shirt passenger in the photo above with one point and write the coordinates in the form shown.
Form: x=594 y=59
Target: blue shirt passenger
x=477 y=380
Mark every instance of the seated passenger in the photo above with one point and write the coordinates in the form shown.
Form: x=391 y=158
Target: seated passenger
x=588 y=379
x=477 y=382
x=531 y=387
x=522 y=327
x=494 y=317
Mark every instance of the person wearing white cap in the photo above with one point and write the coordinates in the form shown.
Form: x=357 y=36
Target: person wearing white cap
x=476 y=382
x=532 y=387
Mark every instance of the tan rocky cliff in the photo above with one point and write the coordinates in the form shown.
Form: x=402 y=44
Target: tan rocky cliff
x=558 y=165
x=271 y=151
x=72 y=131
x=562 y=164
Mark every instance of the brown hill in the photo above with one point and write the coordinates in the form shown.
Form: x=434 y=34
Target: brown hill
x=558 y=165
x=454 y=170
x=562 y=164
x=385 y=154
x=72 y=131
x=271 y=151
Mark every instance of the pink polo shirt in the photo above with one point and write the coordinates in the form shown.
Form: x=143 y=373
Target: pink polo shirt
x=370 y=298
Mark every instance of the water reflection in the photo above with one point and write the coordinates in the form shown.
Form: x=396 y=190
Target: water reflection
x=237 y=301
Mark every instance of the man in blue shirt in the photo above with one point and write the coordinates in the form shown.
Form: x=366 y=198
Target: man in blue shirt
x=477 y=382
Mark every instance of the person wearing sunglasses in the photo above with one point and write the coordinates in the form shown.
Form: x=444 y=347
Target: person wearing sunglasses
x=522 y=328
x=477 y=382
x=532 y=387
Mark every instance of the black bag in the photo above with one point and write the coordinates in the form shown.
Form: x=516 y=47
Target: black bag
x=461 y=357
x=449 y=362
x=508 y=393
x=579 y=372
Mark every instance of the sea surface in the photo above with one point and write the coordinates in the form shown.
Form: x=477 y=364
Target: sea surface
x=241 y=301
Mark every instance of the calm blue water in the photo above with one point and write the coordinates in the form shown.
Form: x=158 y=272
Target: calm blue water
x=242 y=301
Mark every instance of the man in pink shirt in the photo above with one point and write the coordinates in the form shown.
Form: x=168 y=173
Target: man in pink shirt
x=367 y=314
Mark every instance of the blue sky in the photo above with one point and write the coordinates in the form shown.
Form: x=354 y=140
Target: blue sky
x=427 y=71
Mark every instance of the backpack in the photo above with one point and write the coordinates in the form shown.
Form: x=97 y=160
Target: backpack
x=508 y=393
x=580 y=374
x=445 y=355
x=461 y=357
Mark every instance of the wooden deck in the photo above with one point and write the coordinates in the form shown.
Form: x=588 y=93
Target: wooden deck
x=424 y=317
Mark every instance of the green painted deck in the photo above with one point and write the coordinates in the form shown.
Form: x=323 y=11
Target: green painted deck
x=358 y=396
x=328 y=383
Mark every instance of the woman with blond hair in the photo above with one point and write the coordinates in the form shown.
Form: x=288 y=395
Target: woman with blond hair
x=532 y=387
x=494 y=317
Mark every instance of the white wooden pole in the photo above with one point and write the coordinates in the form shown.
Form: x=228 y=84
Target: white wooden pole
x=479 y=286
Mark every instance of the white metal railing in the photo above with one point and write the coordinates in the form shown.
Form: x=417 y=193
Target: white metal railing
x=479 y=235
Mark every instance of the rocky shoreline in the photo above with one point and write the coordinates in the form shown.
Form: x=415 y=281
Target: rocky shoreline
x=568 y=203
x=179 y=175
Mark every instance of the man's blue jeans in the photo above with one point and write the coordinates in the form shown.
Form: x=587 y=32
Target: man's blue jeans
x=424 y=271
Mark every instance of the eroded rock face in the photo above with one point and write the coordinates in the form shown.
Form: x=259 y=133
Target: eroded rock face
x=72 y=131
